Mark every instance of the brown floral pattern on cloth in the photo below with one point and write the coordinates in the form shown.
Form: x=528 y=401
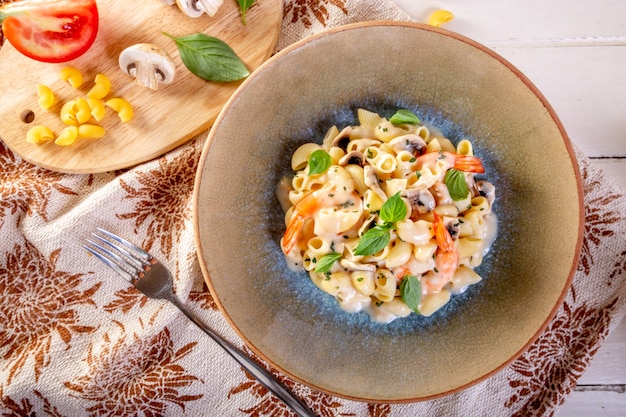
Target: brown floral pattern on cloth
x=39 y=304
x=140 y=376
x=26 y=189
x=564 y=350
x=307 y=11
x=76 y=340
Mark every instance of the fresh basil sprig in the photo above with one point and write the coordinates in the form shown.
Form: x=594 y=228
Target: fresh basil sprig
x=457 y=186
x=373 y=240
x=393 y=210
x=405 y=117
x=411 y=292
x=319 y=162
x=210 y=58
x=243 y=6
x=326 y=262
x=376 y=238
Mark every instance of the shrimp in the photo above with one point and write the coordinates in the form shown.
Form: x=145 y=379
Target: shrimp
x=446 y=259
x=346 y=206
x=464 y=163
x=303 y=210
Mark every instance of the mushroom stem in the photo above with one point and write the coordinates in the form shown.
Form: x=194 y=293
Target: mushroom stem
x=146 y=76
x=210 y=6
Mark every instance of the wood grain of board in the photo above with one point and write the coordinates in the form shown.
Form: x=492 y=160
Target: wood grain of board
x=163 y=119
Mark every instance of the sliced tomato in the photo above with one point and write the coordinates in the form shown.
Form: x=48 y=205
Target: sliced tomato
x=50 y=30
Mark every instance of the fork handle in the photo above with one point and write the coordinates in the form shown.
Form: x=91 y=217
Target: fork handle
x=261 y=374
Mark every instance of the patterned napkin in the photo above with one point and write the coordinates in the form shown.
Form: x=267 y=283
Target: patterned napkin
x=77 y=340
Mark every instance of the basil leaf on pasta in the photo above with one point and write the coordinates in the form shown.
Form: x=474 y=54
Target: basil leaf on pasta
x=319 y=161
x=326 y=262
x=457 y=187
x=393 y=210
x=373 y=241
x=411 y=292
x=405 y=117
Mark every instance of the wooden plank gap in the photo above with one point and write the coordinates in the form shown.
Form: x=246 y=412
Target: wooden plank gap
x=617 y=388
x=559 y=42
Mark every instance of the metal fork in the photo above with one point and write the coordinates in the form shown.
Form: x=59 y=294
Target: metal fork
x=154 y=280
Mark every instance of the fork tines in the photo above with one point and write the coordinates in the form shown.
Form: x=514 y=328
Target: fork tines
x=127 y=259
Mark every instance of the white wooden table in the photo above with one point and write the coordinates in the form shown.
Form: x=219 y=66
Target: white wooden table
x=574 y=51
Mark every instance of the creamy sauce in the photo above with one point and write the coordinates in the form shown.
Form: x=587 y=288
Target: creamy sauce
x=329 y=210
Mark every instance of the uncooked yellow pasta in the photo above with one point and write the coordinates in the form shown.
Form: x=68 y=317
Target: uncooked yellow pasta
x=388 y=219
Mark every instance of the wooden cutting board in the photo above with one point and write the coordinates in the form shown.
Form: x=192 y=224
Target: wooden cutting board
x=163 y=119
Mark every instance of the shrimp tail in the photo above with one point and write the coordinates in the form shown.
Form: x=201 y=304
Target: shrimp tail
x=447 y=258
x=442 y=236
x=290 y=238
x=468 y=163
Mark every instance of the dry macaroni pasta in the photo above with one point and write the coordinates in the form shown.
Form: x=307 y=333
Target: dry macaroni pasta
x=387 y=216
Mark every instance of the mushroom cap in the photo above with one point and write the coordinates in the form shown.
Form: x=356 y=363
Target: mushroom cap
x=151 y=55
x=195 y=8
x=190 y=7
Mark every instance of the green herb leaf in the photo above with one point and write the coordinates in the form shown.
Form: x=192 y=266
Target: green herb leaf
x=373 y=240
x=319 y=161
x=405 y=117
x=326 y=262
x=210 y=58
x=411 y=292
x=457 y=187
x=393 y=209
x=243 y=6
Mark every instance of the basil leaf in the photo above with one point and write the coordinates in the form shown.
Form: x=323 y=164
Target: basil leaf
x=393 y=209
x=373 y=240
x=319 y=161
x=411 y=292
x=243 y=6
x=405 y=117
x=210 y=58
x=326 y=262
x=457 y=186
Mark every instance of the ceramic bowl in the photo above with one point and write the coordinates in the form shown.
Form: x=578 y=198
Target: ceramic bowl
x=452 y=83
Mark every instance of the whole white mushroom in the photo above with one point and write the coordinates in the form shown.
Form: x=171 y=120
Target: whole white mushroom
x=149 y=64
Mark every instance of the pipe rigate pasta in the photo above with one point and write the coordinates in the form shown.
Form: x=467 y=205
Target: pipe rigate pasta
x=300 y=157
x=385 y=283
x=384 y=216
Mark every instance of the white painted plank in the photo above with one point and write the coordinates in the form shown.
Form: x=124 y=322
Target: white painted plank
x=594 y=404
x=608 y=367
x=492 y=20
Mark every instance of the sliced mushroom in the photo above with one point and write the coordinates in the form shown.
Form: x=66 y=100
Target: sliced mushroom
x=149 y=64
x=354 y=157
x=412 y=143
x=195 y=8
x=343 y=138
x=487 y=190
x=168 y=2
x=421 y=200
x=371 y=180
x=357 y=266
x=453 y=226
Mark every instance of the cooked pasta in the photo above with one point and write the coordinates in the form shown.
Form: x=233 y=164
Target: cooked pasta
x=387 y=217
